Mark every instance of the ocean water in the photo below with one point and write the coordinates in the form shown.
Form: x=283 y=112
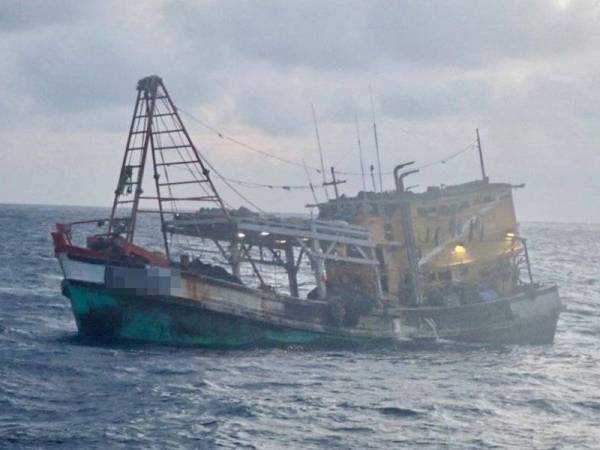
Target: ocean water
x=57 y=391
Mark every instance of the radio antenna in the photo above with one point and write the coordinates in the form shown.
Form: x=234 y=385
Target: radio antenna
x=483 y=175
x=360 y=154
x=376 y=140
x=314 y=115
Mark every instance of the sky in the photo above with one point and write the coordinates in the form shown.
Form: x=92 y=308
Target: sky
x=525 y=72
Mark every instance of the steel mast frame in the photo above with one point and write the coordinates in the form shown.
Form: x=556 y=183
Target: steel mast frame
x=153 y=103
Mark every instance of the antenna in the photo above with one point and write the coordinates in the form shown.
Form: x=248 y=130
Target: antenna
x=483 y=175
x=334 y=183
x=314 y=115
x=310 y=184
x=372 y=168
x=360 y=154
x=376 y=140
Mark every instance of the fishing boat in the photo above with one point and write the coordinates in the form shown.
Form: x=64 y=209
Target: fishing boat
x=380 y=267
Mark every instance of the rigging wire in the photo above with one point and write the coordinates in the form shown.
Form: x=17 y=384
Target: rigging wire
x=471 y=146
x=228 y=181
x=313 y=168
x=285 y=187
x=228 y=184
x=251 y=184
x=247 y=146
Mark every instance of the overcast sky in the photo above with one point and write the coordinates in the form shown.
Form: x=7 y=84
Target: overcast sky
x=527 y=73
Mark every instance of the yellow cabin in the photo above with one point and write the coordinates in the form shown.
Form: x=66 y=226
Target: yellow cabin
x=464 y=234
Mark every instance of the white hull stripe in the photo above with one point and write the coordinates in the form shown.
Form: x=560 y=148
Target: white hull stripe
x=81 y=271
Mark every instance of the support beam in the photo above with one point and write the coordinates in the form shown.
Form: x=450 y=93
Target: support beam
x=292 y=273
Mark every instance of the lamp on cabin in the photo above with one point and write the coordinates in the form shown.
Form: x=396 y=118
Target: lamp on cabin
x=460 y=249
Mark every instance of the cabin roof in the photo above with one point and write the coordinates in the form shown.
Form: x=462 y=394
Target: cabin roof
x=268 y=230
x=432 y=193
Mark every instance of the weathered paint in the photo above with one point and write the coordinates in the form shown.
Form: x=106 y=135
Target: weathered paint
x=162 y=305
x=104 y=315
x=80 y=270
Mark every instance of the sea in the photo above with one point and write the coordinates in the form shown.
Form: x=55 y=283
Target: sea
x=58 y=391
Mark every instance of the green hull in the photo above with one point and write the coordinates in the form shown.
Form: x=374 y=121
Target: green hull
x=104 y=315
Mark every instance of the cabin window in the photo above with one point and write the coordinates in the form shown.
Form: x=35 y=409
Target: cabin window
x=422 y=212
x=427 y=235
x=437 y=236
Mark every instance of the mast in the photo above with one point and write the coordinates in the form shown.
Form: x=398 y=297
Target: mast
x=157 y=127
x=372 y=169
x=314 y=115
x=376 y=141
x=310 y=184
x=360 y=154
x=334 y=182
x=483 y=175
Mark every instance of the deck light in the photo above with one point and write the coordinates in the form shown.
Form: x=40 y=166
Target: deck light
x=510 y=235
x=459 y=249
x=280 y=241
x=241 y=235
x=264 y=233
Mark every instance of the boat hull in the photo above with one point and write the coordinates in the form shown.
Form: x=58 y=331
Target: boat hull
x=163 y=305
x=104 y=315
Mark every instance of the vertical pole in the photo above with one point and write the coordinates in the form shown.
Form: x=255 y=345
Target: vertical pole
x=411 y=252
x=291 y=270
x=312 y=188
x=314 y=114
x=483 y=175
x=378 y=286
x=360 y=154
x=372 y=168
x=117 y=194
x=527 y=260
x=163 y=228
x=334 y=182
x=376 y=141
x=234 y=252
x=150 y=101
x=319 y=266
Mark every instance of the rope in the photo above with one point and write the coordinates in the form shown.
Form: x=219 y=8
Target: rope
x=250 y=184
x=246 y=146
x=221 y=135
x=228 y=184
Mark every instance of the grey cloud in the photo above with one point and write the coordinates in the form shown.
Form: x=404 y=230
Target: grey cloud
x=357 y=34
x=18 y=16
x=526 y=72
x=431 y=101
